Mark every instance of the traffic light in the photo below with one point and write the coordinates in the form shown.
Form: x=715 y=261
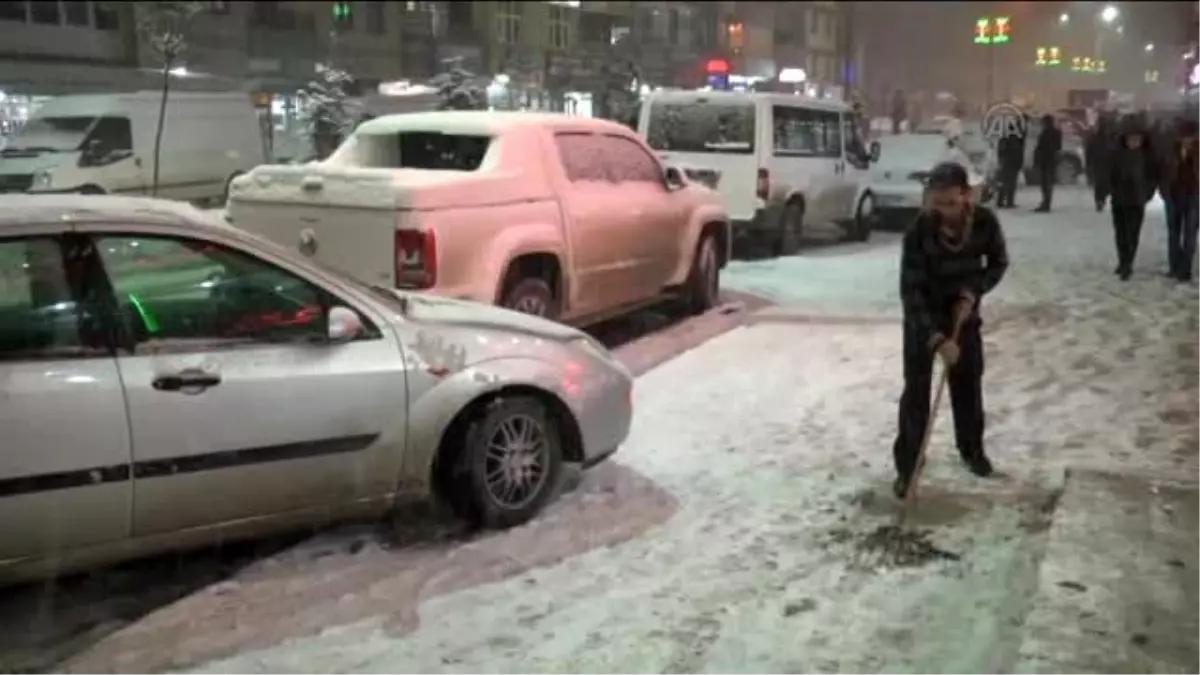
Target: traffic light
x=1041 y=57
x=1076 y=64
x=1001 y=34
x=341 y=11
x=983 y=31
x=1054 y=57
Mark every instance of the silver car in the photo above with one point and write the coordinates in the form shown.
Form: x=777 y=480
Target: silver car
x=170 y=381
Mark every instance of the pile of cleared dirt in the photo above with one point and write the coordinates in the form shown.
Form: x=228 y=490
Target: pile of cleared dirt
x=893 y=546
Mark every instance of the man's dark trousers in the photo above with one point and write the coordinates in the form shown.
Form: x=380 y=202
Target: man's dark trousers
x=966 y=395
x=1181 y=234
x=1009 y=174
x=1047 y=182
x=1127 y=230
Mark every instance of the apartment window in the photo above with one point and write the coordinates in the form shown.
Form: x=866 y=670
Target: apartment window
x=560 y=28
x=736 y=33
x=376 y=21
x=77 y=12
x=508 y=23
x=679 y=27
x=594 y=28
x=106 y=17
x=13 y=11
x=45 y=12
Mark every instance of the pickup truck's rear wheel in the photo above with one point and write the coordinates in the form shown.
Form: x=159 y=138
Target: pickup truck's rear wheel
x=510 y=463
x=531 y=295
x=704 y=281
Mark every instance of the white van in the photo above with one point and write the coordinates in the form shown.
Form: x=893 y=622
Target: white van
x=104 y=143
x=784 y=163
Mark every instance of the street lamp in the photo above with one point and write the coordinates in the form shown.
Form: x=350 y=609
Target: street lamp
x=1149 y=48
x=1064 y=18
x=1109 y=14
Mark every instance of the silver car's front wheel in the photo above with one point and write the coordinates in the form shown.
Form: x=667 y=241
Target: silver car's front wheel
x=509 y=464
x=516 y=461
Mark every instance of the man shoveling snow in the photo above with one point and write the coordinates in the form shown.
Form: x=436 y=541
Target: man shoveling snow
x=952 y=255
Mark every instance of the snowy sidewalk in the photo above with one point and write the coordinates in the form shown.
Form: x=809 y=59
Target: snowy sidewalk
x=1118 y=588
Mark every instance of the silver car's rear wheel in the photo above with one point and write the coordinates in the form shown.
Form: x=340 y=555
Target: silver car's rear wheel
x=509 y=464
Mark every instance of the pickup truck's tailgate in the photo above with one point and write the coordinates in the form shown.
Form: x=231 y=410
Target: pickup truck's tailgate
x=357 y=241
x=345 y=219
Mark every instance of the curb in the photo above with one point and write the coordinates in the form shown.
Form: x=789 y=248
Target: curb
x=779 y=315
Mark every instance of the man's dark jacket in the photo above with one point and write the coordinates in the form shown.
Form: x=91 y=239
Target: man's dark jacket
x=1133 y=174
x=1010 y=150
x=933 y=278
x=1049 y=144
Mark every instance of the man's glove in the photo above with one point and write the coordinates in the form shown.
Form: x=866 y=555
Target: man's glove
x=945 y=348
x=948 y=350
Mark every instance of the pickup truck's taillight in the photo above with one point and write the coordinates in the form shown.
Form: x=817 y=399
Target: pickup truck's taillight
x=416 y=259
x=762 y=187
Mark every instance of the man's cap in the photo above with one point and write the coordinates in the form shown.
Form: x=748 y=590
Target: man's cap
x=948 y=174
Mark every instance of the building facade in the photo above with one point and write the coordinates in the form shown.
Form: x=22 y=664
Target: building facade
x=808 y=41
x=557 y=55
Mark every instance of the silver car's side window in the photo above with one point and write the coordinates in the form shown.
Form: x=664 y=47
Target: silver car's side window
x=40 y=316
x=184 y=294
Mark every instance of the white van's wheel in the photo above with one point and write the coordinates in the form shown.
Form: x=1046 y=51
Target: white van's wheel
x=228 y=185
x=864 y=218
x=92 y=190
x=791 y=223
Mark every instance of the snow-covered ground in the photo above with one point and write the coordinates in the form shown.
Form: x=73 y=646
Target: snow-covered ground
x=1073 y=243
x=775 y=439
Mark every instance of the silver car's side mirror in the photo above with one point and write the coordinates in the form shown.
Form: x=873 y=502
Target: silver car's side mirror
x=344 y=324
x=875 y=150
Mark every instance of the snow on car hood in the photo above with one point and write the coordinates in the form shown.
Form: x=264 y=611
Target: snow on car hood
x=425 y=308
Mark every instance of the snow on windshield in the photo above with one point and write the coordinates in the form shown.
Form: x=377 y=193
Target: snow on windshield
x=702 y=126
x=52 y=134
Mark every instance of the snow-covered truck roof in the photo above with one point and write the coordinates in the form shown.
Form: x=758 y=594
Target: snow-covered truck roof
x=483 y=123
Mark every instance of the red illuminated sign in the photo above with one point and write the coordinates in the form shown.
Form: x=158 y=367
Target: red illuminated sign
x=716 y=66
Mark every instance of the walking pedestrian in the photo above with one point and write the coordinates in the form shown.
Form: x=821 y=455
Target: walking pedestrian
x=1010 y=152
x=1099 y=153
x=952 y=255
x=1179 y=188
x=1045 y=160
x=1132 y=181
